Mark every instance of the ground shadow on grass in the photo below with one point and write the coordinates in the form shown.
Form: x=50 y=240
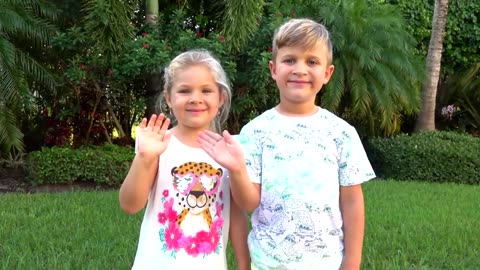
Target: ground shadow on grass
x=15 y=180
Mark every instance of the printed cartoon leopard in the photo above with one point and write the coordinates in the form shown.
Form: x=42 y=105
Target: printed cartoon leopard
x=196 y=185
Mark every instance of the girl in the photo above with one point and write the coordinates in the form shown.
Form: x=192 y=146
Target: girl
x=189 y=211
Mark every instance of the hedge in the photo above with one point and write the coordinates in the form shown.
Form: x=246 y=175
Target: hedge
x=430 y=156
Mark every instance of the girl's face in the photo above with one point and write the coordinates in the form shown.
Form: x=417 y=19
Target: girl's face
x=195 y=98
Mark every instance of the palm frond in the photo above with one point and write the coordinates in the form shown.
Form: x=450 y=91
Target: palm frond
x=10 y=135
x=240 y=21
x=108 y=24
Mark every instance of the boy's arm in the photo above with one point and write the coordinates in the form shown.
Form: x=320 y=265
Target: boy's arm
x=137 y=185
x=353 y=214
x=238 y=235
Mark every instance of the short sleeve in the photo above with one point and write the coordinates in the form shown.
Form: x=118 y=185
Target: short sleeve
x=252 y=152
x=354 y=166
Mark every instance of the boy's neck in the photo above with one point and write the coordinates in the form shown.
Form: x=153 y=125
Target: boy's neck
x=296 y=110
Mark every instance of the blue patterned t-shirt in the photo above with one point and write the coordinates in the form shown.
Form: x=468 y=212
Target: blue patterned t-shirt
x=301 y=162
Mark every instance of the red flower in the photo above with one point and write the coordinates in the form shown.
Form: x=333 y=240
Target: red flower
x=222 y=38
x=293 y=12
x=110 y=71
x=167 y=47
x=82 y=66
x=269 y=49
x=145 y=46
x=279 y=14
x=145 y=34
x=199 y=34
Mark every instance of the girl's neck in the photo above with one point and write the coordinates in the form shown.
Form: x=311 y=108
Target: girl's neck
x=186 y=136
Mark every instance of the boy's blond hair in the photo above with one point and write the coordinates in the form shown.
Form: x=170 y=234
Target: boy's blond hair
x=304 y=33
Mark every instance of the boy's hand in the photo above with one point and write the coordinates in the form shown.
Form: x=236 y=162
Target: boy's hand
x=153 y=139
x=224 y=150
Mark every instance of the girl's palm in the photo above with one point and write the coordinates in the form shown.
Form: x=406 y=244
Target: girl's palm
x=153 y=137
x=223 y=149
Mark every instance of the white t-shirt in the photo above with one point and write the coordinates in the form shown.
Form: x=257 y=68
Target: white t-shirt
x=186 y=221
x=301 y=162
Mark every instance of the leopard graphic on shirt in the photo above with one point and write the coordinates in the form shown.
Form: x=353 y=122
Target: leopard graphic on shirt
x=192 y=216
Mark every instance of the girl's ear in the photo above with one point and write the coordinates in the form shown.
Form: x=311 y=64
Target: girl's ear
x=223 y=96
x=167 y=98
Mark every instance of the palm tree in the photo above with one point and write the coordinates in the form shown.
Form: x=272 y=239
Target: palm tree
x=377 y=78
x=426 y=119
x=25 y=25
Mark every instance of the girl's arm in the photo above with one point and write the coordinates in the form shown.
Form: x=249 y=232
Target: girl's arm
x=152 y=141
x=353 y=214
x=138 y=183
x=238 y=235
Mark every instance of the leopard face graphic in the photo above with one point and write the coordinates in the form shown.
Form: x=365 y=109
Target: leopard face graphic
x=196 y=185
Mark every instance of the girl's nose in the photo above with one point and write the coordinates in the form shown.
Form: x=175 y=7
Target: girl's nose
x=196 y=97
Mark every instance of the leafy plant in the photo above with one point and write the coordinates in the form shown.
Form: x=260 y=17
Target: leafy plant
x=431 y=156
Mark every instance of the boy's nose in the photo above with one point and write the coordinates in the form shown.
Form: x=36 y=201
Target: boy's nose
x=299 y=69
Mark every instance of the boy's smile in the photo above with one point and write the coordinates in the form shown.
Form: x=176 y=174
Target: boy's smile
x=300 y=74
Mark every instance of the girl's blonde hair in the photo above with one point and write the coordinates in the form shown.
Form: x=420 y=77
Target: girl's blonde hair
x=205 y=58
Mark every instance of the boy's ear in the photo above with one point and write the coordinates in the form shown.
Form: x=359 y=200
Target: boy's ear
x=329 y=72
x=273 y=69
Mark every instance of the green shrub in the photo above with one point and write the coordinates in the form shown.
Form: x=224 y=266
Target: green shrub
x=431 y=156
x=106 y=164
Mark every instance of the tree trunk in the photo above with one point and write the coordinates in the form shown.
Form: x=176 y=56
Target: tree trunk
x=153 y=80
x=426 y=118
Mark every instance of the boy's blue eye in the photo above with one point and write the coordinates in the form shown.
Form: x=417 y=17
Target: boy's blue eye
x=206 y=90
x=312 y=62
x=289 y=61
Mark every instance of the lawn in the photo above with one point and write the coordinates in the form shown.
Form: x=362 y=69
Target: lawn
x=410 y=225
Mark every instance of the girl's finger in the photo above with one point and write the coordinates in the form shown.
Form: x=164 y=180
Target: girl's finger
x=165 y=125
x=152 y=120
x=160 y=119
x=143 y=123
x=207 y=139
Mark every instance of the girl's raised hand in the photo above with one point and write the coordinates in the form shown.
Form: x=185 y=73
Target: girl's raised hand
x=223 y=149
x=153 y=137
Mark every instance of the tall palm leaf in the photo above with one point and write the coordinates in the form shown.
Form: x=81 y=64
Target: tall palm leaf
x=24 y=25
x=377 y=78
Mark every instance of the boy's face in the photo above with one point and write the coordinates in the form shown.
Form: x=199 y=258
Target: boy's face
x=300 y=73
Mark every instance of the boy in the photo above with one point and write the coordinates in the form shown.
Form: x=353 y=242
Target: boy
x=304 y=165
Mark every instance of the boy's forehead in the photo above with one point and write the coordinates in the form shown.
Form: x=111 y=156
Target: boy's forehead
x=319 y=49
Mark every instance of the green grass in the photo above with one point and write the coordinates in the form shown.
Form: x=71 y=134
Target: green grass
x=410 y=225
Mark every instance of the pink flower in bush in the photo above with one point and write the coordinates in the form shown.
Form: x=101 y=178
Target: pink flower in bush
x=222 y=38
x=145 y=46
x=145 y=34
x=199 y=34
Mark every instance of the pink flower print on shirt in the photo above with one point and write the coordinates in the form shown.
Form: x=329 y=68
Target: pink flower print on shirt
x=162 y=218
x=191 y=247
x=169 y=212
x=165 y=193
x=202 y=240
x=172 y=236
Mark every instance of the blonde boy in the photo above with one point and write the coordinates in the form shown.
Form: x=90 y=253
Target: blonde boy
x=303 y=166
